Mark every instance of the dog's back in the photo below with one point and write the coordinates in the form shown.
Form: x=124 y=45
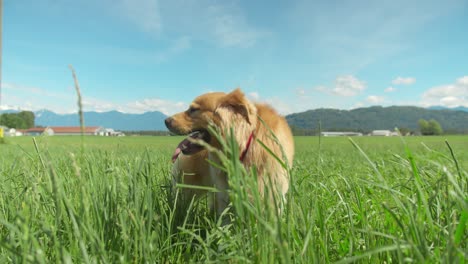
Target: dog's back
x=274 y=132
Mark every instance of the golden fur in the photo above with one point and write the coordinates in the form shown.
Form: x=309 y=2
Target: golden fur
x=233 y=110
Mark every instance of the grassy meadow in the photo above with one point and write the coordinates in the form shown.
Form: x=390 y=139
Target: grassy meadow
x=107 y=200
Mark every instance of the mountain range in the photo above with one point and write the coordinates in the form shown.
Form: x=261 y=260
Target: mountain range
x=439 y=107
x=378 y=118
x=112 y=119
x=360 y=119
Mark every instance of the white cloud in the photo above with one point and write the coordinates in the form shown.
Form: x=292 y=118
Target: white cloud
x=181 y=44
x=226 y=24
x=166 y=107
x=374 y=99
x=177 y=47
x=301 y=91
x=404 y=81
x=21 y=97
x=450 y=95
x=33 y=98
x=220 y=22
x=446 y=90
x=357 y=105
x=232 y=29
x=321 y=88
x=345 y=85
x=348 y=85
x=98 y=105
x=277 y=103
x=357 y=33
x=254 y=96
x=34 y=91
x=452 y=101
x=144 y=14
x=305 y=96
x=7 y=107
x=389 y=89
x=463 y=81
x=281 y=106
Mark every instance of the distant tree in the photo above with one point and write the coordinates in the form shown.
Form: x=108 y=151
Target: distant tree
x=28 y=119
x=22 y=120
x=404 y=131
x=423 y=126
x=431 y=127
x=297 y=131
x=435 y=127
x=10 y=120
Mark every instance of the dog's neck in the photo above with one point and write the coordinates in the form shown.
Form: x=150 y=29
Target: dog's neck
x=247 y=146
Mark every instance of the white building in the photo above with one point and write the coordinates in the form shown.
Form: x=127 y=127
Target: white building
x=384 y=133
x=340 y=134
x=37 y=131
x=11 y=132
x=109 y=132
x=72 y=131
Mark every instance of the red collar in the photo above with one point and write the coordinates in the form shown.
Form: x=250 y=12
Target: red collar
x=244 y=152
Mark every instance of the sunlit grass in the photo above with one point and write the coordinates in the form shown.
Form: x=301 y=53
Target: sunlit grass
x=369 y=200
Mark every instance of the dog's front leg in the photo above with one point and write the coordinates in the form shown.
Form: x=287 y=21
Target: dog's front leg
x=221 y=197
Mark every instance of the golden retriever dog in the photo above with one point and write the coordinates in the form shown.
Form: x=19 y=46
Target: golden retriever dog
x=252 y=123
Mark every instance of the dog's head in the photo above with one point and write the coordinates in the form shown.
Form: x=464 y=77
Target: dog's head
x=219 y=109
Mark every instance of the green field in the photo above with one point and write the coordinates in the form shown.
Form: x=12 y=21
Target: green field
x=106 y=200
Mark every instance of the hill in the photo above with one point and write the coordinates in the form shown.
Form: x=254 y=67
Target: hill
x=360 y=119
x=458 y=108
x=112 y=119
x=377 y=117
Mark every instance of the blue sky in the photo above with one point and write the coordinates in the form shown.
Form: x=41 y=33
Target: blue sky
x=144 y=55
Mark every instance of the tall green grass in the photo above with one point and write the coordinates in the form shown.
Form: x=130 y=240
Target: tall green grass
x=363 y=200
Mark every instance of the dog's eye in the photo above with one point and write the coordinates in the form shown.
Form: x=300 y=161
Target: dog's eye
x=192 y=110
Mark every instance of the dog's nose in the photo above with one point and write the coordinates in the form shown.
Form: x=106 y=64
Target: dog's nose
x=168 y=122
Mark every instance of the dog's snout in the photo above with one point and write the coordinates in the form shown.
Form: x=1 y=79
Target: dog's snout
x=168 y=122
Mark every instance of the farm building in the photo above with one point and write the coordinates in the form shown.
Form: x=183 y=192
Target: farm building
x=76 y=131
x=36 y=131
x=110 y=133
x=72 y=131
x=385 y=133
x=10 y=132
x=340 y=134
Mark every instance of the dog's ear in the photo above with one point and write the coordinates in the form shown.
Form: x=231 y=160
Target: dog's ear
x=237 y=101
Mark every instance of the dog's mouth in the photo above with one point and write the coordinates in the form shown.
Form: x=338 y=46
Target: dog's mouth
x=187 y=147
